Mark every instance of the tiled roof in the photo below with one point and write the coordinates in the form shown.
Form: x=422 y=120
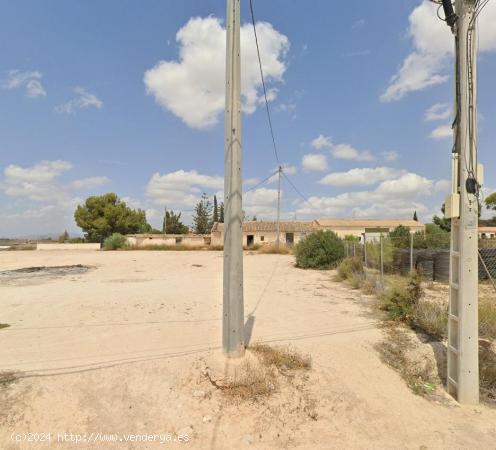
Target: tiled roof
x=368 y=223
x=259 y=226
x=487 y=229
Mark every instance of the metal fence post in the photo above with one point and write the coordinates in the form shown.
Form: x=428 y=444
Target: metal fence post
x=411 y=252
x=382 y=260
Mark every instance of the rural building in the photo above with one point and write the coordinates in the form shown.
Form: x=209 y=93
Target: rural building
x=187 y=240
x=369 y=227
x=261 y=232
x=487 y=232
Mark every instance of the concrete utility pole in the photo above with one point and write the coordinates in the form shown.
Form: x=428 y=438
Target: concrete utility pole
x=233 y=308
x=462 y=207
x=278 y=238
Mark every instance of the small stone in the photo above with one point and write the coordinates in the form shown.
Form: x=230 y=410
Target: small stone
x=207 y=419
x=248 y=439
x=199 y=393
x=186 y=431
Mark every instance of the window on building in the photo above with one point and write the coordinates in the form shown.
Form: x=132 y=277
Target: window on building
x=262 y=238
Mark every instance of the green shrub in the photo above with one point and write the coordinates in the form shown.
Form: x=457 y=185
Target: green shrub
x=319 y=250
x=350 y=267
x=400 y=299
x=115 y=241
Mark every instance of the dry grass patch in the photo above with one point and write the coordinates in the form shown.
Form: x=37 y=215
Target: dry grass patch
x=395 y=352
x=431 y=318
x=7 y=378
x=487 y=317
x=283 y=358
x=249 y=381
x=273 y=249
x=259 y=374
x=487 y=371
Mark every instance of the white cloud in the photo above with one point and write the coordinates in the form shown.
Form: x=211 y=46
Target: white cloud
x=30 y=81
x=193 y=88
x=82 y=100
x=261 y=202
x=314 y=162
x=390 y=156
x=433 y=44
x=89 y=183
x=438 y=111
x=288 y=170
x=442 y=132
x=341 y=151
x=442 y=186
x=42 y=196
x=181 y=188
x=361 y=177
x=397 y=197
x=322 y=142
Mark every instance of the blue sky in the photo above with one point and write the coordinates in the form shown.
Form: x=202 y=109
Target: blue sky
x=127 y=96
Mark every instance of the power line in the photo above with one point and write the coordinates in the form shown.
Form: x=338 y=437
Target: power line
x=263 y=85
x=295 y=188
x=262 y=182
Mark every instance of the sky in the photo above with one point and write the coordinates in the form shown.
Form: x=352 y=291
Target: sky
x=128 y=97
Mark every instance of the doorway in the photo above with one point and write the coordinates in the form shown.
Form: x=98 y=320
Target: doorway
x=250 y=239
x=290 y=238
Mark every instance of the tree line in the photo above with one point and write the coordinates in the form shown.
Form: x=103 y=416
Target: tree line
x=101 y=216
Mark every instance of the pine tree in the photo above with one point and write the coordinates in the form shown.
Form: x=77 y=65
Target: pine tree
x=174 y=224
x=202 y=219
x=221 y=213
x=415 y=216
x=215 y=217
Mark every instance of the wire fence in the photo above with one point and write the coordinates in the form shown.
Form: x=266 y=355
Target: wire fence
x=430 y=255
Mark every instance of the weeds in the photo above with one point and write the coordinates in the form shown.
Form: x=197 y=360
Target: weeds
x=487 y=371
x=273 y=249
x=258 y=377
x=400 y=299
x=431 y=318
x=394 y=352
x=7 y=378
x=487 y=318
x=350 y=268
x=283 y=358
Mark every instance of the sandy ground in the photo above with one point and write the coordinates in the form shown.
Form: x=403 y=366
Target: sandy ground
x=121 y=349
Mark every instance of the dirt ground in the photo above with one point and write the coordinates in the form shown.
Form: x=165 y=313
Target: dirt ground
x=122 y=349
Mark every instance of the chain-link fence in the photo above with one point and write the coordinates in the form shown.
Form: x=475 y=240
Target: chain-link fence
x=429 y=254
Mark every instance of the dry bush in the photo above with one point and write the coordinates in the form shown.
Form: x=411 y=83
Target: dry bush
x=272 y=249
x=431 y=318
x=283 y=358
x=4 y=325
x=250 y=381
x=370 y=286
x=394 y=352
x=7 y=378
x=350 y=268
x=487 y=318
x=487 y=371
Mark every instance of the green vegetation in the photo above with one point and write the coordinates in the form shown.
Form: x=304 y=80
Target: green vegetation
x=173 y=224
x=400 y=237
x=202 y=219
x=99 y=217
x=400 y=299
x=351 y=269
x=115 y=242
x=319 y=250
